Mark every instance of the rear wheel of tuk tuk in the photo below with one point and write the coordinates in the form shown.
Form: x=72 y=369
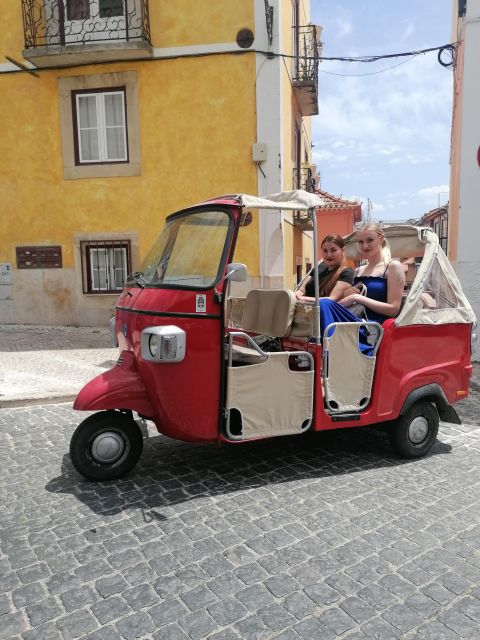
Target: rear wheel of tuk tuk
x=106 y=445
x=413 y=434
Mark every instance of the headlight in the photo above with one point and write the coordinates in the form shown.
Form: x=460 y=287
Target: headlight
x=163 y=344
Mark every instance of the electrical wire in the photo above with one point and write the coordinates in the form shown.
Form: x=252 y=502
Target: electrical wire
x=358 y=75
x=451 y=47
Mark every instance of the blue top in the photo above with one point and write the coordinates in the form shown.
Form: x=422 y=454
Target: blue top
x=376 y=290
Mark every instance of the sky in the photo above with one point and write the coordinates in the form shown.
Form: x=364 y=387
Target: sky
x=384 y=137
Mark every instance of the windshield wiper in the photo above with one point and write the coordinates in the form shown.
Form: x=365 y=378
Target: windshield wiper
x=137 y=277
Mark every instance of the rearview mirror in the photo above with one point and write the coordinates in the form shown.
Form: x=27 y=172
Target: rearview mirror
x=236 y=272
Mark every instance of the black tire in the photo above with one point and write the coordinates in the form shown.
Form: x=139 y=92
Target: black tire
x=106 y=445
x=413 y=434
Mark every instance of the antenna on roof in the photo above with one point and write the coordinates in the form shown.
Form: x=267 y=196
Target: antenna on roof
x=369 y=210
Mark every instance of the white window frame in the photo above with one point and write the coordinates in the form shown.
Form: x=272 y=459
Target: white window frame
x=101 y=126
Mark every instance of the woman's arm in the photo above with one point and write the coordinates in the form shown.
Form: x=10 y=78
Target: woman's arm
x=338 y=290
x=395 y=285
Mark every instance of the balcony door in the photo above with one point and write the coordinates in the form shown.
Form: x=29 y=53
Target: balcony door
x=92 y=20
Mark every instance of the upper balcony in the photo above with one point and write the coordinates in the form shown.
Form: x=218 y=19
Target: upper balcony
x=306 y=178
x=61 y=33
x=305 y=73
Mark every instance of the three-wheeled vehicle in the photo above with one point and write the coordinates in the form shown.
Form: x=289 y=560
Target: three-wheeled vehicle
x=192 y=360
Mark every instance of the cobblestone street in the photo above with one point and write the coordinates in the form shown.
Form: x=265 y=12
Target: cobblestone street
x=321 y=537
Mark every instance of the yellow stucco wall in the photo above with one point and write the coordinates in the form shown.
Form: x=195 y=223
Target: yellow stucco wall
x=201 y=22
x=196 y=141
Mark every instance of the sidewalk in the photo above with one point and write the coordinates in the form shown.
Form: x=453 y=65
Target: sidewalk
x=43 y=364
x=47 y=364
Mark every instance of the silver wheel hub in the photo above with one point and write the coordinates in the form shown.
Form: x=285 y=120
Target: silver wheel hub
x=418 y=430
x=108 y=447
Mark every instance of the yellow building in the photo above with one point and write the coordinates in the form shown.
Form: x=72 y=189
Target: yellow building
x=116 y=113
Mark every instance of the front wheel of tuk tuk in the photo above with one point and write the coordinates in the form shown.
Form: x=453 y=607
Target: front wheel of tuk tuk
x=413 y=434
x=106 y=445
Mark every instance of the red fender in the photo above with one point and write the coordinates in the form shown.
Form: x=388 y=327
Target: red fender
x=117 y=388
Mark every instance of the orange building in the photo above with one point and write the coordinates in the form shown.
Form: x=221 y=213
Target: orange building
x=336 y=216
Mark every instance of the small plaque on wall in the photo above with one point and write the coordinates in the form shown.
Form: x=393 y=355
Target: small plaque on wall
x=46 y=257
x=5 y=273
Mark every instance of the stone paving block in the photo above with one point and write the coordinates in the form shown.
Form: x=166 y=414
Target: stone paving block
x=109 y=585
x=358 y=609
x=456 y=620
x=438 y=593
x=47 y=631
x=198 y=625
x=226 y=634
x=281 y=585
x=169 y=586
x=437 y=631
x=110 y=609
x=12 y=623
x=402 y=617
x=253 y=628
x=135 y=626
x=140 y=596
x=92 y=571
x=33 y=573
x=78 y=598
x=105 y=633
x=27 y=594
x=76 y=624
x=455 y=583
x=43 y=611
x=198 y=598
x=168 y=611
x=299 y=605
x=314 y=628
x=5 y=606
x=172 y=632
x=380 y=629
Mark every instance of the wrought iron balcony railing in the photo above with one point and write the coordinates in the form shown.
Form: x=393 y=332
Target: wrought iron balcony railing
x=304 y=178
x=54 y=23
x=305 y=72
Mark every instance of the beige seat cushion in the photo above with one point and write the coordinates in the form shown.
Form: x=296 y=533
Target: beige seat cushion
x=269 y=311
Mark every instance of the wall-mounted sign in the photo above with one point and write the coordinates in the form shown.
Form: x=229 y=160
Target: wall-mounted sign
x=5 y=273
x=39 y=257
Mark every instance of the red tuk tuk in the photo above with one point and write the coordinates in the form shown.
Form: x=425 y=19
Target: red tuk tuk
x=192 y=361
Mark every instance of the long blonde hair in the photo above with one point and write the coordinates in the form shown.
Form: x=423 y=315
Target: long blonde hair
x=376 y=228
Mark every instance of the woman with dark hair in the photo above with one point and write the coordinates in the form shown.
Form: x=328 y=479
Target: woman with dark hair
x=333 y=274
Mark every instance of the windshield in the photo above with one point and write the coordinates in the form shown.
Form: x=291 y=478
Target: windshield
x=189 y=251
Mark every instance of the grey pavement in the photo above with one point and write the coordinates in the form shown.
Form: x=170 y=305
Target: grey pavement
x=50 y=364
x=324 y=536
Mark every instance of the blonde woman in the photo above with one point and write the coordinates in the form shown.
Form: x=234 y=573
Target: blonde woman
x=383 y=277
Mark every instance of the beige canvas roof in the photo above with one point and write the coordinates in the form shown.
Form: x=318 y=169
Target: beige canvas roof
x=436 y=295
x=289 y=200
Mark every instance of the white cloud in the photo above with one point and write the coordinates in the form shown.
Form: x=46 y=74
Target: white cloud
x=432 y=196
x=409 y=29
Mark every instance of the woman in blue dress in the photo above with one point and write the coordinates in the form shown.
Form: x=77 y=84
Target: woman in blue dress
x=383 y=277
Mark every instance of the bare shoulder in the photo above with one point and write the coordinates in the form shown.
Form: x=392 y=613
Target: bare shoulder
x=395 y=270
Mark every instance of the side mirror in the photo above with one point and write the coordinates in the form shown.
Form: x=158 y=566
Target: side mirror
x=236 y=272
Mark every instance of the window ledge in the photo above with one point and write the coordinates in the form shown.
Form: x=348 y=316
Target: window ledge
x=80 y=54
